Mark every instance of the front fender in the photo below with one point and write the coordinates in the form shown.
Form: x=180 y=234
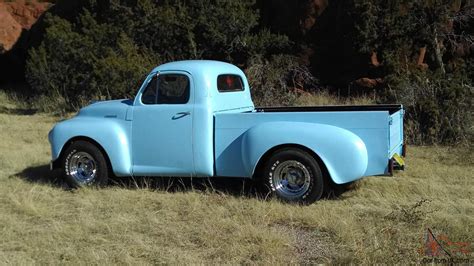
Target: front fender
x=343 y=153
x=111 y=133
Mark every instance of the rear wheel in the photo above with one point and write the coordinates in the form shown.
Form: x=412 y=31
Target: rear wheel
x=293 y=175
x=84 y=164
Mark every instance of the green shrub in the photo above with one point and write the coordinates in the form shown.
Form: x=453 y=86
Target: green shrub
x=108 y=47
x=438 y=107
x=275 y=82
x=80 y=65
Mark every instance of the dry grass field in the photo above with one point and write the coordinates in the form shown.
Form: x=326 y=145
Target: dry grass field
x=379 y=220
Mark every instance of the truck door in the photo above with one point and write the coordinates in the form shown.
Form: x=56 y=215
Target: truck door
x=162 y=126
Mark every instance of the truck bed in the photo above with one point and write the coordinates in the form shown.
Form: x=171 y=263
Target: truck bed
x=394 y=110
x=379 y=126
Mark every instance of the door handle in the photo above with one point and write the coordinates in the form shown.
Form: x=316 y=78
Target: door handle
x=180 y=115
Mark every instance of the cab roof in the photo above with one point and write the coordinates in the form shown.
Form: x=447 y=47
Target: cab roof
x=197 y=67
x=204 y=74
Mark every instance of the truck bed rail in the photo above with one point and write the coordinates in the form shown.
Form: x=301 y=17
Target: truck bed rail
x=391 y=108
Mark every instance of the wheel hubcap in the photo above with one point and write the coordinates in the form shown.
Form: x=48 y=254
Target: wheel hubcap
x=291 y=179
x=82 y=167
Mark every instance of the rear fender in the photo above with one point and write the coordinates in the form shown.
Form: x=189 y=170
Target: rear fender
x=111 y=134
x=343 y=153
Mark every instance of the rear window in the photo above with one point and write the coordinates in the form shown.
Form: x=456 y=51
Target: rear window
x=229 y=83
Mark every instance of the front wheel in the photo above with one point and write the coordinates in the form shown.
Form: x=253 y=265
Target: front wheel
x=85 y=165
x=293 y=175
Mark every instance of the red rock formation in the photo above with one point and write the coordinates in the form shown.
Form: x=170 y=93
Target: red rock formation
x=10 y=30
x=17 y=16
x=26 y=13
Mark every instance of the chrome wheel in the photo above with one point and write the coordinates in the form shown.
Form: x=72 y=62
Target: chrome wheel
x=291 y=179
x=82 y=167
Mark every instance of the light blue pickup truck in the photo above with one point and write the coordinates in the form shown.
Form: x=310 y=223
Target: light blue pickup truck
x=197 y=119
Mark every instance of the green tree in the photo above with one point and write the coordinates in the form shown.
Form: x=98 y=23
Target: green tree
x=105 y=48
x=80 y=65
x=438 y=99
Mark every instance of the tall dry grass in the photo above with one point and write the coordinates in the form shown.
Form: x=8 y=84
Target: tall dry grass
x=381 y=220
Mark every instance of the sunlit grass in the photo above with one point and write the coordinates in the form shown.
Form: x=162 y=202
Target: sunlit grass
x=382 y=220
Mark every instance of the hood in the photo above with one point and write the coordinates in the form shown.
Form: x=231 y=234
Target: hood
x=109 y=109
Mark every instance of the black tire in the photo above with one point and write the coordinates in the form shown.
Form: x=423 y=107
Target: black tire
x=284 y=172
x=84 y=164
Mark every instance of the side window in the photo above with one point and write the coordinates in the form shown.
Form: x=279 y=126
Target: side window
x=149 y=94
x=167 y=89
x=229 y=83
x=173 y=89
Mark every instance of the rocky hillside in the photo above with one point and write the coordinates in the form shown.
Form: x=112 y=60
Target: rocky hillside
x=16 y=17
x=16 y=21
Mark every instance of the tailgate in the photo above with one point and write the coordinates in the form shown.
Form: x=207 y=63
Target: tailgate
x=396 y=133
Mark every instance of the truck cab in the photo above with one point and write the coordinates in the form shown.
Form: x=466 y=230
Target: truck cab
x=172 y=116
